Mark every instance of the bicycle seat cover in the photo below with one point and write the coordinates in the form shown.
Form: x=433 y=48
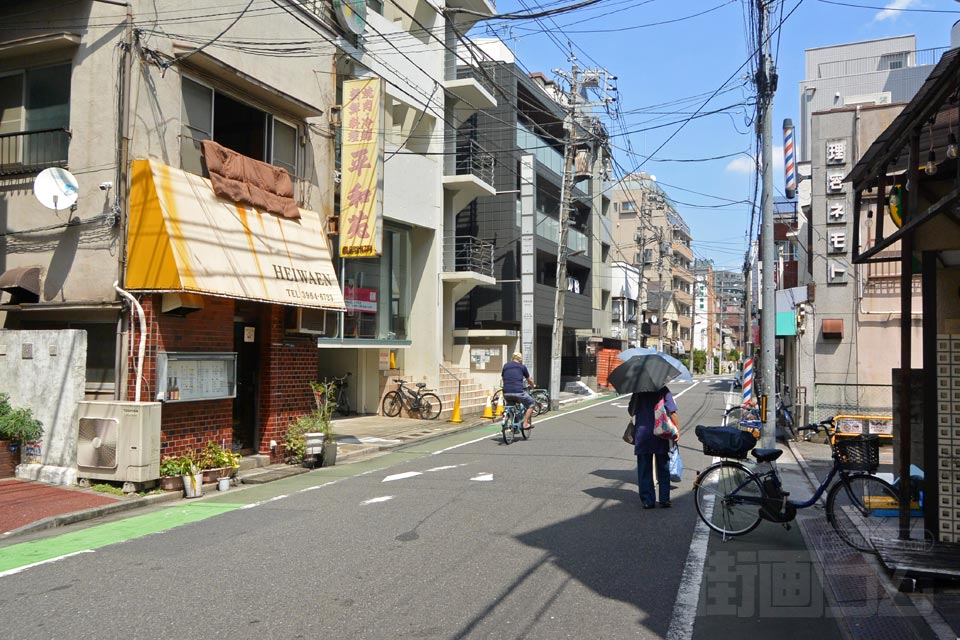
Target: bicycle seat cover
x=421 y=385
x=766 y=455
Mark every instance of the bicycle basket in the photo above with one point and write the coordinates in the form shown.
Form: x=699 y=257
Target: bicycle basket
x=725 y=442
x=858 y=453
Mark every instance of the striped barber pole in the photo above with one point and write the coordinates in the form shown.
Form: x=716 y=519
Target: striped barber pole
x=789 y=160
x=748 y=381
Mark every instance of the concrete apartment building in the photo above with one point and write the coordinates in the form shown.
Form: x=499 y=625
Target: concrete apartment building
x=259 y=303
x=527 y=122
x=649 y=232
x=844 y=328
x=707 y=333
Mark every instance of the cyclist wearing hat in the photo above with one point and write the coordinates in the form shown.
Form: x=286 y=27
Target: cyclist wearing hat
x=514 y=374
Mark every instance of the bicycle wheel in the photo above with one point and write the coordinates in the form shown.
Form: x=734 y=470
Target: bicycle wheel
x=430 y=406
x=506 y=427
x=862 y=508
x=524 y=432
x=542 y=396
x=392 y=403
x=727 y=496
x=343 y=403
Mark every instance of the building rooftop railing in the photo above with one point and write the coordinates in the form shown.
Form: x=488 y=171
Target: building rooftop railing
x=884 y=62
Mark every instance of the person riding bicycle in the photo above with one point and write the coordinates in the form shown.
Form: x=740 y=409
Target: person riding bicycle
x=514 y=374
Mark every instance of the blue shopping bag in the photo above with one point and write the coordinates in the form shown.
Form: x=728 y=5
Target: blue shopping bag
x=676 y=464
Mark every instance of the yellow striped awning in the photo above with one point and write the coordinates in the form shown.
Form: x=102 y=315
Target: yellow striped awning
x=183 y=238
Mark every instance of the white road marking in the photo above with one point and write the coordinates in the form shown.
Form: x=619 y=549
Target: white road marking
x=540 y=420
x=688 y=595
x=445 y=467
x=483 y=477
x=380 y=499
x=402 y=476
x=10 y=572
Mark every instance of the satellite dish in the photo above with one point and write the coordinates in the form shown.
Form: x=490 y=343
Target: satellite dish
x=56 y=188
x=351 y=14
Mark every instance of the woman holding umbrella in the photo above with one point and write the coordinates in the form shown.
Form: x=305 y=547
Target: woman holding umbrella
x=645 y=373
x=651 y=449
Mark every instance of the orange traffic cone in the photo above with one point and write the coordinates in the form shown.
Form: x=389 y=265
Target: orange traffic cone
x=455 y=418
x=488 y=410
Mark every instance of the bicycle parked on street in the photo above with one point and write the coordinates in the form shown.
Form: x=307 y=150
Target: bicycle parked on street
x=732 y=499
x=738 y=415
x=342 y=401
x=426 y=405
x=512 y=420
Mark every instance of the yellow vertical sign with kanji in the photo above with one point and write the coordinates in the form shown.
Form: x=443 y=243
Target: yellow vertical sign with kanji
x=361 y=167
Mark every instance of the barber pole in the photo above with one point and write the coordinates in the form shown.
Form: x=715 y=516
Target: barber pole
x=748 y=381
x=789 y=160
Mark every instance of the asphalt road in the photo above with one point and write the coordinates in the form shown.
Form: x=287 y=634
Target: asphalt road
x=462 y=537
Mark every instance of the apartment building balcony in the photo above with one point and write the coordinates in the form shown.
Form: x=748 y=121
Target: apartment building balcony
x=685 y=322
x=468 y=172
x=683 y=274
x=33 y=151
x=683 y=298
x=682 y=249
x=467 y=263
x=470 y=89
x=477 y=9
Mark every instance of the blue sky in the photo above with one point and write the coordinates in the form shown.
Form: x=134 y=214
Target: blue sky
x=661 y=68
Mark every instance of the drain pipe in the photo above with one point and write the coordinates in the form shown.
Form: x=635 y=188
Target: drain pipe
x=143 y=335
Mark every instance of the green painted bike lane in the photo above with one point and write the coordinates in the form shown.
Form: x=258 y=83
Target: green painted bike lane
x=17 y=557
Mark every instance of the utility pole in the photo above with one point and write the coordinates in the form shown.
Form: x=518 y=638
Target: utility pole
x=570 y=153
x=579 y=81
x=766 y=87
x=660 y=287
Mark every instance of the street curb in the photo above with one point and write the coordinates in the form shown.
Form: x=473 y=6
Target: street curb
x=127 y=504
x=358 y=455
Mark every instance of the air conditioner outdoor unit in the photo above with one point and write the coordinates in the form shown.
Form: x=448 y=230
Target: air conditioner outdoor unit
x=119 y=441
x=306 y=320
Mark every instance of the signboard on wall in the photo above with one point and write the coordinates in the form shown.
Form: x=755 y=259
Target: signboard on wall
x=486 y=358
x=361 y=162
x=360 y=299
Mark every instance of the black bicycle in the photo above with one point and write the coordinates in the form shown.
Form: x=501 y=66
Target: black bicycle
x=340 y=396
x=426 y=404
x=732 y=499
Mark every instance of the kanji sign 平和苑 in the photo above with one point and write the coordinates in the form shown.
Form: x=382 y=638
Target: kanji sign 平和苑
x=361 y=162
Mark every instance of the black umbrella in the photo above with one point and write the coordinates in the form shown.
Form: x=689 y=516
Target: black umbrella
x=643 y=373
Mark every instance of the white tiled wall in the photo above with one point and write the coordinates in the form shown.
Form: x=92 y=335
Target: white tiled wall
x=948 y=432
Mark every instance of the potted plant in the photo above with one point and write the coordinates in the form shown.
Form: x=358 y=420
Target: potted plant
x=217 y=462
x=17 y=426
x=303 y=441
x=171 y=472
x=326 y=394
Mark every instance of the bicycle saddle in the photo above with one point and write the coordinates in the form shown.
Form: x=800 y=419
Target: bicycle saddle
x=421 y=385
x=766 y=455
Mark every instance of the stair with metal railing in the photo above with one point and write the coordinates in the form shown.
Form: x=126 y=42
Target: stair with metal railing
x=473 y=396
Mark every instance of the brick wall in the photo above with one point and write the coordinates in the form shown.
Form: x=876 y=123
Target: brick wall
x=287 y=365
x=189 y=425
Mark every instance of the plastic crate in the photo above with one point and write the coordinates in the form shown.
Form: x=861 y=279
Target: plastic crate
x=860 y=453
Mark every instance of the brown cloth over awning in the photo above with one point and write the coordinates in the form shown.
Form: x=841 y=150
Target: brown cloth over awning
x=240 y=179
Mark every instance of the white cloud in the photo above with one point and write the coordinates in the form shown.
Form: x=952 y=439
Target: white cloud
x=891 y=12
x=742 y=164
x=747 y=166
